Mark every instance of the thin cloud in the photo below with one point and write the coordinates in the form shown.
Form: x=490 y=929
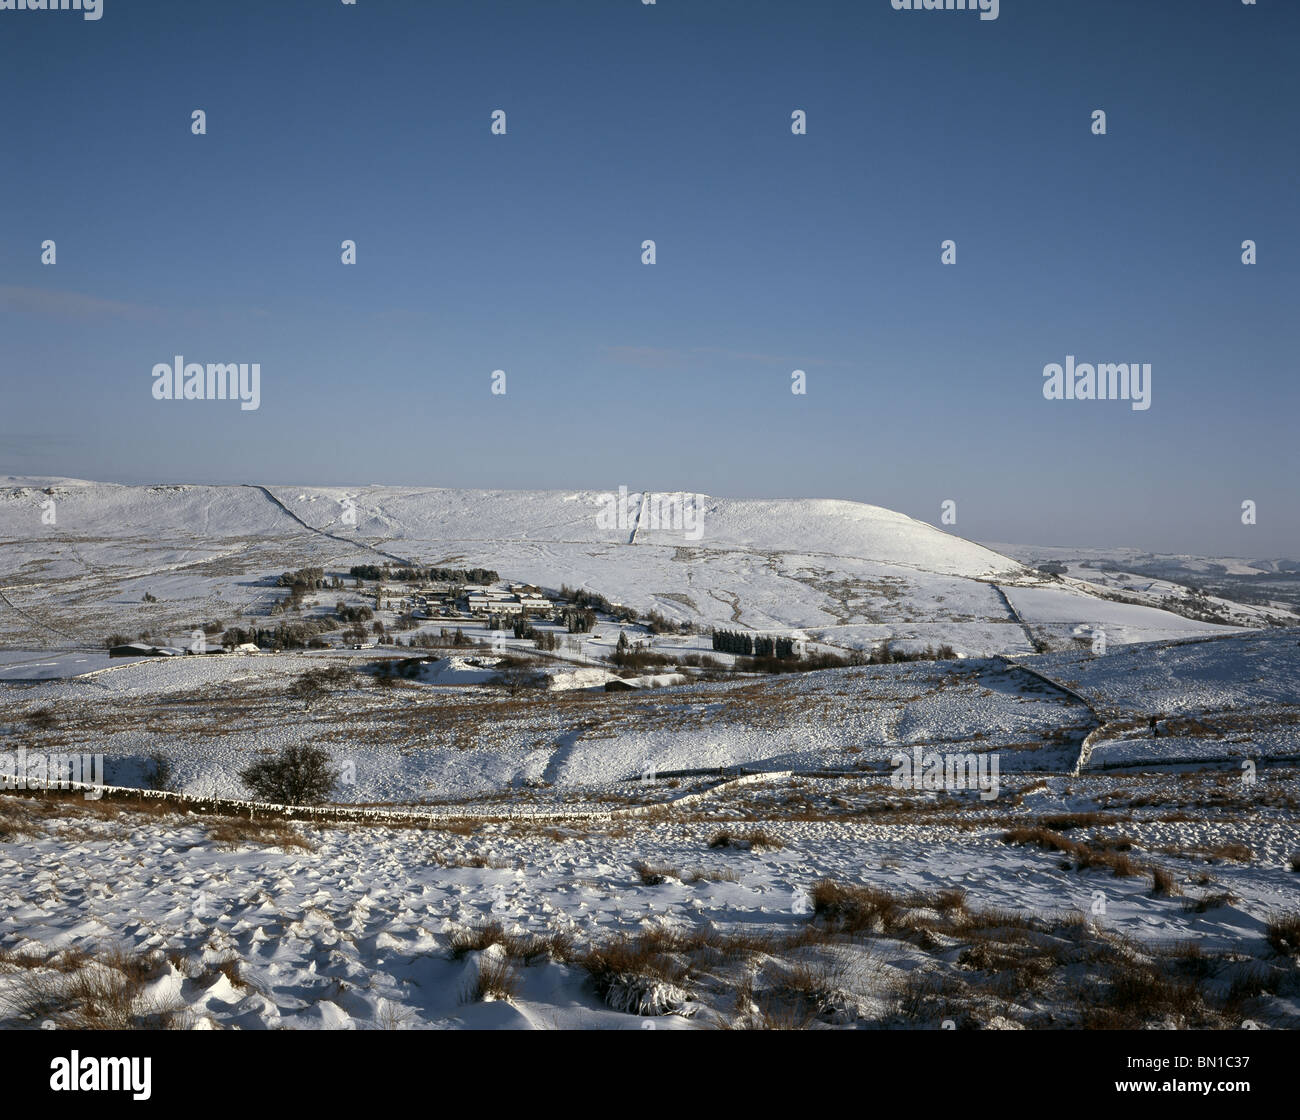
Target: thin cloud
x=72 y=305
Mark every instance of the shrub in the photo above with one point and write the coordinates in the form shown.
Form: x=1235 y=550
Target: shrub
x=298 y=775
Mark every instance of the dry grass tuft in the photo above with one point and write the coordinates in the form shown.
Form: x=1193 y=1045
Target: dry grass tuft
x=76 y=991
x=652 y=876
x=1216 y=900
x=1282 y=932
x=495 y=978
x=236 y=832
x=1163 y=883
x=754 y=840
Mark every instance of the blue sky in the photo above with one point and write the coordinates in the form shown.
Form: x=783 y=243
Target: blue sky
x=775 y=252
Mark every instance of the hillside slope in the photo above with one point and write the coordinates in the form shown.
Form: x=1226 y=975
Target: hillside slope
x=839 y=572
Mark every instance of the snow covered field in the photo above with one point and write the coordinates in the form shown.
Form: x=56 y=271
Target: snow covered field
x=368 y=927
x=837 y=572
x=1094 y=834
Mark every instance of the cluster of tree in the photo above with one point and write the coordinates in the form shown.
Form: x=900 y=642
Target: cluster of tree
x=542 y=639
x=1199 y=608
x=287 y=635
x=578 y=620
x=309 y=579
x=881 y=655
x=463 y=575
x=626 y=657
x=580 y=597
x=344 y=613
x=457 y=639
x=1053 y=568
x=746 y=643
x=422 y=575
x=292 y=601
x=592 y=600
x=700 y=661
x=640 y=659
x=657 y=623
x=125 y=639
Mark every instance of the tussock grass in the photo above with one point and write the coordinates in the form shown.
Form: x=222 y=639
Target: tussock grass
x=87 y=992
x=652 y=876
x=1204 y=903
x=856 y=909
x=1064 y=822
x=519 y=947
x=1109 y=853
x=722 y=875
x=1040 y=837
x=1134 y=993
x=1282 y=931
x=495 y=978
x=235 y=832
x=753 y=840
x=1163 y=883
x=642 y=975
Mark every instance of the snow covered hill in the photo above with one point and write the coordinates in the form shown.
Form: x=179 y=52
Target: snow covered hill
x=78 y=558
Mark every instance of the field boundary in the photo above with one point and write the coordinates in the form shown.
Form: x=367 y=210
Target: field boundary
x=252 y=810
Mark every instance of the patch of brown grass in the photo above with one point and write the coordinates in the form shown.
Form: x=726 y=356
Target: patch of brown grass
x=753 y=840
x=89 y=992
x=652 y=876
x=1201 y=904
x=235 y=832
x=1163 y=883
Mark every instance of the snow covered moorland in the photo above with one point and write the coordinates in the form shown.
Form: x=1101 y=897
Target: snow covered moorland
x=815 y=765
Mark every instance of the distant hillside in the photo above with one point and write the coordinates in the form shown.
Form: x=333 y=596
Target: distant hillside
x=839 y=572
